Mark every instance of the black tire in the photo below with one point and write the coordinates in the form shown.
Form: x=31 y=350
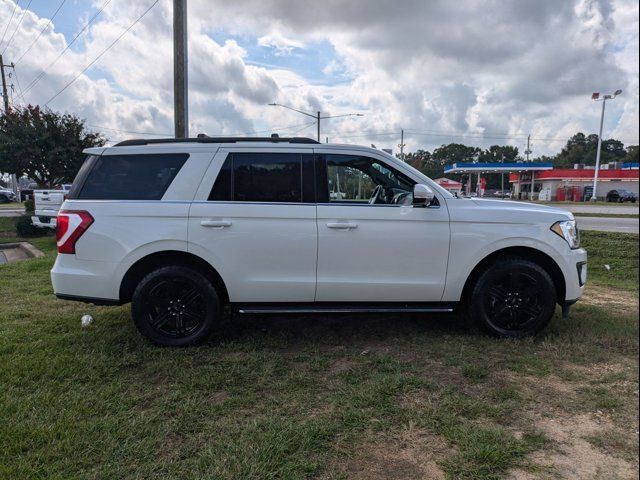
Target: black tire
x=514 y=297
x=175 y=306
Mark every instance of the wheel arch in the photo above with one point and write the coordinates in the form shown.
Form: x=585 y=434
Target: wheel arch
x=528 y=253
x=150 y=262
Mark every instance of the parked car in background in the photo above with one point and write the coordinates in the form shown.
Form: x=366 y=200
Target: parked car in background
x=47 y=205
x=27 y=193
x=502 y=194
x=621 y=196
x=6 y=195
x=183 y=228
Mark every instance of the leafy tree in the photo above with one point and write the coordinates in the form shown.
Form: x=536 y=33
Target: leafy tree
x=632 y=154
x=44 y=145
x=583 y=149
x=499 y=153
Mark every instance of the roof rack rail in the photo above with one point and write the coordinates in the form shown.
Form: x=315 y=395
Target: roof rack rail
x=203 y=138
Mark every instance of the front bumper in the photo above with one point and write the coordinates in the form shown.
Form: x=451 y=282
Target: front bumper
x=575 y=275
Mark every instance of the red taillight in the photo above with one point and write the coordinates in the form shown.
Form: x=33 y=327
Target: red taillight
x=70 y=226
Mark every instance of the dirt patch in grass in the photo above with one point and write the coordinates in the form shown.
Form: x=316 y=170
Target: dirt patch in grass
x=412 y=454
x=613 y=299
x=575 y=457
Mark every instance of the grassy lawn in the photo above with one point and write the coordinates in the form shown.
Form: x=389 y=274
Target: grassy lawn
x=346 y=396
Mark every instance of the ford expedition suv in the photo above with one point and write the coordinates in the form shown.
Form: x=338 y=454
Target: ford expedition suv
x=184 y=227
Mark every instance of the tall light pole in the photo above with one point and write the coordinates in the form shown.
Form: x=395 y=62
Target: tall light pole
x=596 y=96
x=317 y=116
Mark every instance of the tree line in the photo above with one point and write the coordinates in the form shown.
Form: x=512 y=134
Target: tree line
x=47 y=146
x=580 y=148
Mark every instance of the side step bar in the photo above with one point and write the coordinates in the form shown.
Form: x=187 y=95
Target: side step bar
x=435 y=307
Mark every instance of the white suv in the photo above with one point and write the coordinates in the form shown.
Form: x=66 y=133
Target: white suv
x=181 y=228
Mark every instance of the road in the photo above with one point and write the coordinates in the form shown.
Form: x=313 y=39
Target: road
x=613 y=210
x=5 y=212
x=608 y=224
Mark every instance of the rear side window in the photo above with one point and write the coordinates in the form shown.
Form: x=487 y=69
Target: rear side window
x=129 y=177
x=265 y=177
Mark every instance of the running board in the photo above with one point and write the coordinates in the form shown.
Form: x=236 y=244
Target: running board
x=344 y=308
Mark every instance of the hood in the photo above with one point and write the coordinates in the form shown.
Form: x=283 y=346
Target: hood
x=505 y=211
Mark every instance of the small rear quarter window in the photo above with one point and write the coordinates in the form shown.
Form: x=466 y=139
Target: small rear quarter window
x=130 y=177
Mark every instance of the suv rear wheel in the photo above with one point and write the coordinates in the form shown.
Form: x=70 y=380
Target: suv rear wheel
x=175 y=306
x=514 y=297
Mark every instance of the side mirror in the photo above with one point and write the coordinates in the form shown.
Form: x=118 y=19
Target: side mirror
x=422 y=195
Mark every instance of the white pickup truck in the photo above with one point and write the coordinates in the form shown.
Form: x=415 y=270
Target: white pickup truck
x=47 y=203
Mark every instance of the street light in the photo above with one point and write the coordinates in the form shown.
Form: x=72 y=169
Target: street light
x=317 y=116
x=596 y=96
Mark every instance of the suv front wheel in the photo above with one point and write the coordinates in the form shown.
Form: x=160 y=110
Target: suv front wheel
x=514 y=297
x=175 y=306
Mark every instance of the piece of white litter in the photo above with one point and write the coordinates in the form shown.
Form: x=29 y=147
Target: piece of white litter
x=607 y=267
x=86 y=320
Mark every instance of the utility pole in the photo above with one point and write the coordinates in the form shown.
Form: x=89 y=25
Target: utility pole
x=401 y=145
x=5 y=99
x=180 y=70
x=528 y=150
x=319 y=127
x=5 y=96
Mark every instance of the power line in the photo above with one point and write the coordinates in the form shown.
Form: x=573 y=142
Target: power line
x=44 y=72
x=103 y=52
x=24 y=12
x=15 y=5
x=41 y=31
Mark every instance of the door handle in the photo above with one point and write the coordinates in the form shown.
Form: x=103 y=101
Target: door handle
x=342 y=225
x=215 y=223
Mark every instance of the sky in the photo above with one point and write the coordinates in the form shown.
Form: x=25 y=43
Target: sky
x=478 y=73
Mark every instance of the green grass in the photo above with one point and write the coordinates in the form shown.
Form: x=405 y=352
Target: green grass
x=617 y=250
x=8 y=224
x=296 y=397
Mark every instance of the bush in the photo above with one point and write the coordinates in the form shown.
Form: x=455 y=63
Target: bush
x=24 y=228
x=29 y=206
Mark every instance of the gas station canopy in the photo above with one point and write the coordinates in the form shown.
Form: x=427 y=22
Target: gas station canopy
x=492 y=167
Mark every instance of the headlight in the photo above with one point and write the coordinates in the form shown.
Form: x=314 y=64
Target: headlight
x=568 y=230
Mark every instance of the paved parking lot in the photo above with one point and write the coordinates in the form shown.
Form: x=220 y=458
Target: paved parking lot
x=612 y=210
x=608 y=224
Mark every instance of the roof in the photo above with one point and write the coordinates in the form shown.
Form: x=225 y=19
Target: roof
x=489 y=167
x=571 y=174
x=206 y=139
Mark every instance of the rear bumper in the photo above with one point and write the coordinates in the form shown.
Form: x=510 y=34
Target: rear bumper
x=86 y=280
x=42 y=221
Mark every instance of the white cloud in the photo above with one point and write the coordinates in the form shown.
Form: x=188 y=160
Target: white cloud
x=493 y=67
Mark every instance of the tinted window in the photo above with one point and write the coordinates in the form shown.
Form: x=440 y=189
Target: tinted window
x=263 y=177
x=358 y=179
x=131 y=177
x=221 y=190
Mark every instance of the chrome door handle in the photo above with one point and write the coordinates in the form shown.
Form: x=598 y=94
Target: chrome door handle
x=215 y=223
x=342 y=225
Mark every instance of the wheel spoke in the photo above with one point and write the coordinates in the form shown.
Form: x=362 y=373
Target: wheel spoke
x=190 y=296
x=161 y=319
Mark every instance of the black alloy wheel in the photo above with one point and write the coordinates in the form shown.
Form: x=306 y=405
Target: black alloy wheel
x=514 y=297
x=175 y=306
